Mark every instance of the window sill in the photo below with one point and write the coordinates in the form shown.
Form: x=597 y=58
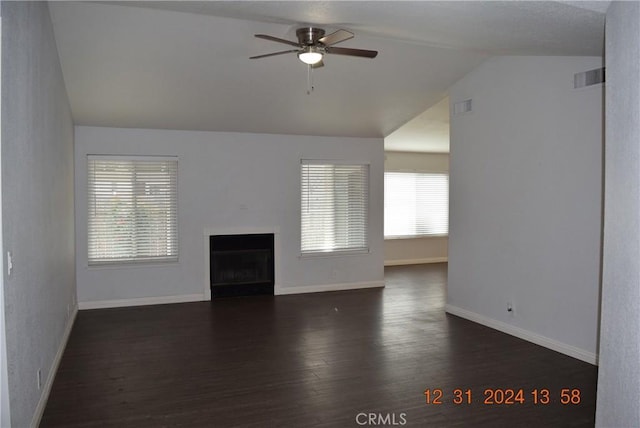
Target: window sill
x=400 y=238
x=129 y=265
x=326 y=254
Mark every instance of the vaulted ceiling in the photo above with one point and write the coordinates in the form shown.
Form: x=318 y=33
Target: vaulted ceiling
x=185 y=65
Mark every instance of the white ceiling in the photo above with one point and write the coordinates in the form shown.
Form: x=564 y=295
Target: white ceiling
x=427 y=132
x=185 y=65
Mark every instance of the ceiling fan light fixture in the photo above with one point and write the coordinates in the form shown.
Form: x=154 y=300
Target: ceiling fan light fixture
x=310 y=55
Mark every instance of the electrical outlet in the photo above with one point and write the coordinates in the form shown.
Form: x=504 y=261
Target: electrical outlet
x=510 y=308
x=39 y=380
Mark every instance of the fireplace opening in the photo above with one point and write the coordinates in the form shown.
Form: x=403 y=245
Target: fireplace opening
x=241 y=265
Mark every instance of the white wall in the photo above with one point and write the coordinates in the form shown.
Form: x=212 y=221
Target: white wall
x=619 y=371
x=416 y=250
x=526 y=201
x=37 y=206
x=228 y=181
x=5 y=409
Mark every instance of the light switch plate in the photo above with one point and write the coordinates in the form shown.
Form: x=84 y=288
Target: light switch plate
x=9 y=263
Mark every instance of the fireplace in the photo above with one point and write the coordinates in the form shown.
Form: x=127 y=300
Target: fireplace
x=241 y=265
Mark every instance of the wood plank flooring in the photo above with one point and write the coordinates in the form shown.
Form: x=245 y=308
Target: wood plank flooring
x=315 y=360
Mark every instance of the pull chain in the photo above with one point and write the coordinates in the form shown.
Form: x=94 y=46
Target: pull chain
x=309 y=79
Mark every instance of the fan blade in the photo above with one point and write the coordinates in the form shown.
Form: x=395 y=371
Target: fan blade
x=275 y=39
x=318 y=64
x=273 y=54
x=352 y=52
x=336 y=37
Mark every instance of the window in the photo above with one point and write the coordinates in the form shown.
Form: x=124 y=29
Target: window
x=335 y=207
x=415 y=204
x=132 y=209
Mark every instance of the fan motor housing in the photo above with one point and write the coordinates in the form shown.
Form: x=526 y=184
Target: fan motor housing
x=309 y=35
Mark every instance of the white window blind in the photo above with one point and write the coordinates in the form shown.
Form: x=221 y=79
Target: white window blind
x=415 y=204
x=335 y=207
x=133 y=210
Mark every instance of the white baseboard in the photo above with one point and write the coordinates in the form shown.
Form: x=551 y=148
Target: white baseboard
x=46 y=388
x=281 y=291
x=563 y=348
x=416 y=261
x=142 y=301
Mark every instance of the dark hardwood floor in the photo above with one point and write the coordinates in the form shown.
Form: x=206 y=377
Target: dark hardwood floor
x=315 y=360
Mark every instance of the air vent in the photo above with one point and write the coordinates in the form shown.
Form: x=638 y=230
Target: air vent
x=588 y=78
x=461 y=107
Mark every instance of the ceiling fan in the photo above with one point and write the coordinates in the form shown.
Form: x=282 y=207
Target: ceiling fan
x=313 y=45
